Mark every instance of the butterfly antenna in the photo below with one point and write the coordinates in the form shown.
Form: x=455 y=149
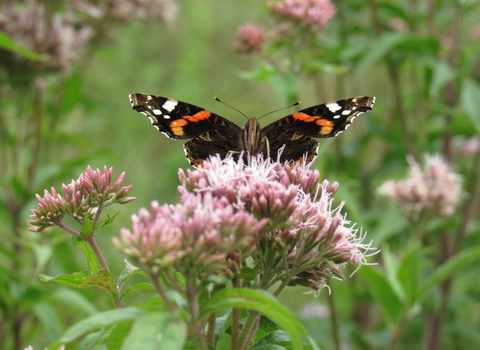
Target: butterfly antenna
x=280 y=109
x=226 y=104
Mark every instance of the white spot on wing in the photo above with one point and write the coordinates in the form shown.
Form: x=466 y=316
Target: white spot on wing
x=166 y=116
x=149 y=97
x=346 y=112
x=333 y=107
x=156 y=111
x=170 y=105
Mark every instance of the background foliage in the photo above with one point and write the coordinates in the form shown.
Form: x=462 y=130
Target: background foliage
x=421 y=59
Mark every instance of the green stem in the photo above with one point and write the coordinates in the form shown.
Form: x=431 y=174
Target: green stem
x=333 y=321
x=154 y=278
x=398 y=332
x=249 y=329
x=235 y=320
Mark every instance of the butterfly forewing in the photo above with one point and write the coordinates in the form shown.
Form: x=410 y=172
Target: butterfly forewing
x=177 y=119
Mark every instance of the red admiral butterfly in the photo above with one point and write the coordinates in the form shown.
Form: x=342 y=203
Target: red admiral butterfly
x=212 y=134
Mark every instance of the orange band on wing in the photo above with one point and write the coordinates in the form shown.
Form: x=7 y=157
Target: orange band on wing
x=325 y=122
x=304 y=117
x=198 y=116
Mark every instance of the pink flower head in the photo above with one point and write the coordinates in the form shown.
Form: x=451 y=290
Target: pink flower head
x=435 y=188
x=251 y=38
x=311 y=14
x=194 y=237
x=277 y=213
x=91 y=191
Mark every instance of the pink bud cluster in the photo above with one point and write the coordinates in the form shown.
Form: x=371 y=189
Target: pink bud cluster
x=260 y=208
x=92 y=190
x=192 y=238
x=435 y=188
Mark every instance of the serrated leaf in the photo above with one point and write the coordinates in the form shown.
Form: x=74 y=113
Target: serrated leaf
x=156 y=330
x=260 y=301
x=129 y=271
x=109 y=219
x=102 y=279
x=265 y=328
x=99 y=321
x=88 y=251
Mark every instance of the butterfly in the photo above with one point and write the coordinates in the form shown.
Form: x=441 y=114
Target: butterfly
x=211 y=134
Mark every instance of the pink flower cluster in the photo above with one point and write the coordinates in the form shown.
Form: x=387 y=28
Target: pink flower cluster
x=251 y=38
x=91 y=191
x=436 y=188
x=277 y=213
x=312 y=14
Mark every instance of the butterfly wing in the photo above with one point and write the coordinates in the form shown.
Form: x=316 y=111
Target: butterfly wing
x=210 y=133
x=298 y=130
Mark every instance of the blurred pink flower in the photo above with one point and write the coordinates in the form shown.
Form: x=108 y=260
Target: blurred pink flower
x=92 y=191
x=61 y=347
x=470 y=147
x=56 y=35
x=251 y=38
x=312 y=14
x=435 y=188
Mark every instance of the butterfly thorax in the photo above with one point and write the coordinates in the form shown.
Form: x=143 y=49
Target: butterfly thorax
x=252 y=138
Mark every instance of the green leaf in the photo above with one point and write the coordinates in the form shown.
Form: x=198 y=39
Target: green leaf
x=442 y=74
x=471 y=102
x=72 y=93
x=247 y=273
x=136 y=287
x=452 y=265
x=129 y=271
x=265 y=328
x=109 y=219
x=87 y=229
x=88 y=251
x=102 y=279
x=408 y=273
x=99 y=321
x=156 y=330
x=378 y=49
x=260 y=301
x=7 y=43
x=383 y=293
x=119 y=333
